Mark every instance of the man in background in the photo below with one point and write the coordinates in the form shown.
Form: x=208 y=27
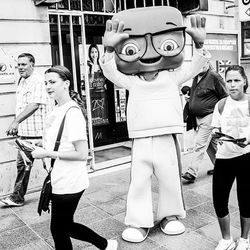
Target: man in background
x=207 y=89
x=32 y=106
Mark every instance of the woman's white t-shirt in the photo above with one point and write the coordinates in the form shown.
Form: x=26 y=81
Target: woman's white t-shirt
x=234 y=121
x=67 y=177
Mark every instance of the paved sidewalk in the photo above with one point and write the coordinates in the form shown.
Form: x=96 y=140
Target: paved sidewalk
x=102 y=208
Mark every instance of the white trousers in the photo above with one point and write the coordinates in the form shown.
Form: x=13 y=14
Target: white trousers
x=154 y=155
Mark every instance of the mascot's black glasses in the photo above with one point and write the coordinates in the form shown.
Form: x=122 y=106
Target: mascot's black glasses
x=168 y=43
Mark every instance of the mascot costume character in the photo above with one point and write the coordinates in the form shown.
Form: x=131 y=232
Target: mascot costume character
x=143 y=53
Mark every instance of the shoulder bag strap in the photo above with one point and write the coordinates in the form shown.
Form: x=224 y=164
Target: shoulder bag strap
x=58 y=139
x=221 y=104
x=248 y=98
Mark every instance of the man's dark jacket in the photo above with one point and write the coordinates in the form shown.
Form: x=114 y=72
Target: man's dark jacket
x=206 y=93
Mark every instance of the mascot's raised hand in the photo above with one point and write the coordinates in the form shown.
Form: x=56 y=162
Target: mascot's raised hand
x=197 y=30
x=114 y=34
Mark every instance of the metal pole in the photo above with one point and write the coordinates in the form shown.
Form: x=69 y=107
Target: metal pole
x=60 y=40
x=88 y=99
x=72 y=48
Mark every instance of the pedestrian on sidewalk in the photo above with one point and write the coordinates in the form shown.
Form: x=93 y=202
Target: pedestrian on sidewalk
x=232 y=117
x=32 y=106
x=189 y=119
x=207 y=89
x=69 y=177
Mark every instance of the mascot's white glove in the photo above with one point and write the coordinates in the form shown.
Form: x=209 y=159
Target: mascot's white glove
x=113 y=34
x=197 y=30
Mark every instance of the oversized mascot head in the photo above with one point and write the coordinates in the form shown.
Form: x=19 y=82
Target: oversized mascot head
x=156 y=40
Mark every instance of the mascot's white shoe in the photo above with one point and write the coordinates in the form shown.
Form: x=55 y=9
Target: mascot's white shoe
x=172 y=226
x=134 y=234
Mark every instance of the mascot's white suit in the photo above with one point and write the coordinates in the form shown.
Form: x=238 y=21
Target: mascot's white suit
x=144 y=52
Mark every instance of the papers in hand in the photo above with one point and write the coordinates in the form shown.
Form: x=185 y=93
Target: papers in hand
x=25 y=148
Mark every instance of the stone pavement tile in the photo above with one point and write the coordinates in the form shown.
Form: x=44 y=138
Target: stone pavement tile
x=124 y=175
x=212 y=232
x=161 y=248
x=89 y=215
x=233 y=197
x=205 y=189
x=108 y=228
x=9 y=222
x=208 y=208
x=196 y=219
x=28 y=213
x=235 y=218
x=193 y=199
x=42 y=229
x=19 y=237
x=102 y=182
x=113 y=207
x=38 y=245
x=200 y=182
x=147 y=244
x=106 y=194
x=185 y=241
x=4 y=210
x=120 y=217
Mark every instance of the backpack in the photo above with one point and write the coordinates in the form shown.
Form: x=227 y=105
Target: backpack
x=222 y=102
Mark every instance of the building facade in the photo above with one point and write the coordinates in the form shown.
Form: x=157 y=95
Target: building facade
x=70 y=33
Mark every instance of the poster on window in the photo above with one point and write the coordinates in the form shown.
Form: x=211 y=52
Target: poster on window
x=223 y=49
x=7 y=68
x=120 y=105
x=97 y=85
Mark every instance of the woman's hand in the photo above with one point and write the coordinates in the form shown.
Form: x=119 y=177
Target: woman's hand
x=40 y=153
x=197 y=30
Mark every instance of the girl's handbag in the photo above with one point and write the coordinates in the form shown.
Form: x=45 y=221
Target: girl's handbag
x=45 y=196
x=46 y=192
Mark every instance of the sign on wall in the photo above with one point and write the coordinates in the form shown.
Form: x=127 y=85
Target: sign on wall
x=7 y=68
x=244 y=10
x=224 y=50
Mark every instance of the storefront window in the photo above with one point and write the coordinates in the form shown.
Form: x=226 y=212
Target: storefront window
x=245 y=39
x=75 y=4
x=87 y=5
x=64 y=4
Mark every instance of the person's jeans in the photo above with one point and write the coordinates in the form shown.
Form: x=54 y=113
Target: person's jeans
x=204 y=143
x=22 y=179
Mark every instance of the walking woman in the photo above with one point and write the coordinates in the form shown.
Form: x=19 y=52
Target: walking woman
x=231 y=117
x=69 y=176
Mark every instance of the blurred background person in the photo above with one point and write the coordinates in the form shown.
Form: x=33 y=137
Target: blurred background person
x=207 y=89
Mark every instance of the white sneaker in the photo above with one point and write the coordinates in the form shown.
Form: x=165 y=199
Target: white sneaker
x=226 y=245
x=112 y=245
x=172 y=227
x=136 y=235
x=243 y=244
x=10 y=203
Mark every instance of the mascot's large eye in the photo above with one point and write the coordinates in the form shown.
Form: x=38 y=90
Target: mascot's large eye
x=169 y=45
x=130 y=49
